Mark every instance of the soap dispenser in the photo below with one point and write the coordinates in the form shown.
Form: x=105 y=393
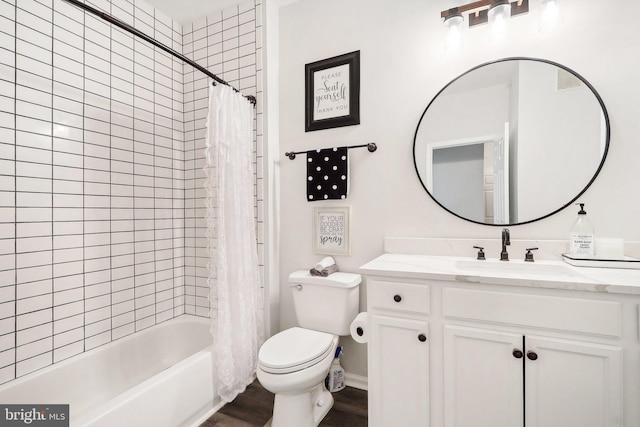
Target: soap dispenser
x=581 y=237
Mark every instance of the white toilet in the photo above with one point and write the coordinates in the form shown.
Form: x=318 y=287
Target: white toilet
x=294 y=363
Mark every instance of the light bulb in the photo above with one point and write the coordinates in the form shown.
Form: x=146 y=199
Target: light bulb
x=499 y=16
x=454 y=25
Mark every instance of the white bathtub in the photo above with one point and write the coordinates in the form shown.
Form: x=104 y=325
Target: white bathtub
x=160 y=377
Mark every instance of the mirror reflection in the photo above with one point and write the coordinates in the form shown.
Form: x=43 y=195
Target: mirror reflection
x=511 y=142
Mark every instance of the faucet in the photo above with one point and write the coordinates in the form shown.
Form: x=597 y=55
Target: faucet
x=506 y=241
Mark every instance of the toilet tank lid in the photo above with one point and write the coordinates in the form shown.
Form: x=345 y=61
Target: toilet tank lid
x=337 y=279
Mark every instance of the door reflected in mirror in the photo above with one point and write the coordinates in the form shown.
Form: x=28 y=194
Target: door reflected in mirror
x=511 y=142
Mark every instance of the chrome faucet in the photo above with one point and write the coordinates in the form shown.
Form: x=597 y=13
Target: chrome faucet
x=506 y=241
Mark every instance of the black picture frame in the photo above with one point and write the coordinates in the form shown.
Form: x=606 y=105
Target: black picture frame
x=332 y=92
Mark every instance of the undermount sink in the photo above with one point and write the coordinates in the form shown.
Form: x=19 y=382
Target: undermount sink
x=546 y=269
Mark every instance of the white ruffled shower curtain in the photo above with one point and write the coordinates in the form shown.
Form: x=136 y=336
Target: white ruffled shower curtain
x=234 y=282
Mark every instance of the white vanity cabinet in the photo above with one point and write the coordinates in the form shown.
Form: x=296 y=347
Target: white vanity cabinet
x=399 y=368
x=500 y=354
x=494 y=379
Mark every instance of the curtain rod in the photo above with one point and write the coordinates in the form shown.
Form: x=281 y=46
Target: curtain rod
x=135 y=32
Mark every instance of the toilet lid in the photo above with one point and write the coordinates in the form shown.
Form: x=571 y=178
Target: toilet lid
x=293 y=350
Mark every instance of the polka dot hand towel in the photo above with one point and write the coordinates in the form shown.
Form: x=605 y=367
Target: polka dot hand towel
x=327 y=174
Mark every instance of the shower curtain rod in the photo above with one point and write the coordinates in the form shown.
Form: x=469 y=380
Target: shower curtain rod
x=154 y=42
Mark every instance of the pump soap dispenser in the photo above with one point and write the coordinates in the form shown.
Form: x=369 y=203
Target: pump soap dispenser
x=581 y=237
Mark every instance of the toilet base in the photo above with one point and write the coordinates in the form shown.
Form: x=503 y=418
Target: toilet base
x=301 y=410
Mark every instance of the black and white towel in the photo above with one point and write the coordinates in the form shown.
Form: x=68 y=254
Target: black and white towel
x=327 y=174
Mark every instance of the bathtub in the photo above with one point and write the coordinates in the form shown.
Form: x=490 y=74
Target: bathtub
x=160 y=377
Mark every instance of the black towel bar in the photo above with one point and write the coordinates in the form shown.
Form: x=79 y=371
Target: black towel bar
x=370 y=146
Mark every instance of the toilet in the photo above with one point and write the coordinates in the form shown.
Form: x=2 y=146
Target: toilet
x=293 y=363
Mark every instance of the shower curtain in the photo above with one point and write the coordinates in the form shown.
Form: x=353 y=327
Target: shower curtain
x=234 y=283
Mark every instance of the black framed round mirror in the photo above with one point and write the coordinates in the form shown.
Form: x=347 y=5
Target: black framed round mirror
x=511 y=141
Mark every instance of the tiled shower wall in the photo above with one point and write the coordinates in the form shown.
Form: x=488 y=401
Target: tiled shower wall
x=228 y=44
x=100 y=145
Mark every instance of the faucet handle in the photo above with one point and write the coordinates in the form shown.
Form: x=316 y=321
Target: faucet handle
x=529 y=255
x=480 y=253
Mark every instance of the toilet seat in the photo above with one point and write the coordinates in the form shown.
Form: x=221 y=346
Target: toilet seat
x=293 y=350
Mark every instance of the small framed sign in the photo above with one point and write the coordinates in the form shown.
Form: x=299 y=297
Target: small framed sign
x=332 y=92
x=331 y=231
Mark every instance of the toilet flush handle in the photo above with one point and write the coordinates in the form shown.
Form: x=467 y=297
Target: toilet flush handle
x=298 y=287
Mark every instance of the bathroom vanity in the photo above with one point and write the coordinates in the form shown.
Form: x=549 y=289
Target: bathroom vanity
x=455 y=341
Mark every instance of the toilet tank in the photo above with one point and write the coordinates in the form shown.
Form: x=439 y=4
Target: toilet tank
x=327 y=304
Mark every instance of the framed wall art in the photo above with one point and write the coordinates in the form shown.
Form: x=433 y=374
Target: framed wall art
x=332 y=92
x=331 y=231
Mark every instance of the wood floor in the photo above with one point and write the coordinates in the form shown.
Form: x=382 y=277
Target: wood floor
x=253 y=409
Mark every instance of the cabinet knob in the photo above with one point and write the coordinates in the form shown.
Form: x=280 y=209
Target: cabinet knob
x=397 y=298
x=532 y=355
x=517 y=353
x=422 y=337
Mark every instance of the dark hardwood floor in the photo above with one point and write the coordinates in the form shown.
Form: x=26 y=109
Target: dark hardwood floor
x=253 y=409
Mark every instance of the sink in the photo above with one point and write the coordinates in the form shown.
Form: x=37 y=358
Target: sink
x=520 y=269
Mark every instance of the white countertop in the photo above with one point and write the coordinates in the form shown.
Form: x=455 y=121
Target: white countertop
x=539 y=274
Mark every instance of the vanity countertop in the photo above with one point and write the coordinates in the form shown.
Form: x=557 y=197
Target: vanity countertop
x=539 y=274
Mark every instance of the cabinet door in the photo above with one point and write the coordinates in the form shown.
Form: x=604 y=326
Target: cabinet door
x=482 y=378
x=572 y=383
x=398 y=372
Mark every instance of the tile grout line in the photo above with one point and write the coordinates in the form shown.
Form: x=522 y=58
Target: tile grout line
x=15 y=193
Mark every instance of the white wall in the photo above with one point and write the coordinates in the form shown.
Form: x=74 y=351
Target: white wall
x=403 y=66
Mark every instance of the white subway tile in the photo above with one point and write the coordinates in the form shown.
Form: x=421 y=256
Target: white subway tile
x=67 y=269
x=68 y=323
x=67 y=228
x=124 y=330
x=66 y=242
x=144 y=322
x=7 y=326
x=68 y=337
x=97 y=328
x=70 y=18
x=34 y=244
x=28 y=199
x=7 y=309
x=67 y=200
x=27 y=366
x=25 y=214
x=68 y=296
x=7 y=374
x=68 y=43
x=33 y=229
x=33 y=125
x=122 y=300
x=97 y=340
x=28 y=305
x=68 y=310
x=34 y=335
x=62 y=353
x=67 y=255
x=7 y=357
x=36 y=318
x=70 y=281
x=68 y=214
x=101 y=317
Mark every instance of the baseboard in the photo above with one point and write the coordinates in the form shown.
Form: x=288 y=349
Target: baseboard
x=356 y=381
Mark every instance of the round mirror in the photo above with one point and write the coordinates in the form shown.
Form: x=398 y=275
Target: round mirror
x=511 y=142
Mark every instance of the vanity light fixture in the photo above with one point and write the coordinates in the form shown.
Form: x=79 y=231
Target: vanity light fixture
x=482 y=11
